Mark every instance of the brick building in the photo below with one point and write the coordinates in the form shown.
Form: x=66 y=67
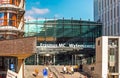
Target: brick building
x=13 y=47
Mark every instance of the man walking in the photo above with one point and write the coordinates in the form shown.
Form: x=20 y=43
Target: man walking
x=45 y=73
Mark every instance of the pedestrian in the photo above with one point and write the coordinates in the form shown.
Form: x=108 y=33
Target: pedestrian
x=71 y=70
x=46 y=67
x=45 y=73
x=50 y=75
x=64 y=69
x=35 y=73
x=81 y=67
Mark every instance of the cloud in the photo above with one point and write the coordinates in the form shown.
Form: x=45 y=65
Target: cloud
x=32 y=18
x=56 y=15
x=29 y=17
x=36 y=11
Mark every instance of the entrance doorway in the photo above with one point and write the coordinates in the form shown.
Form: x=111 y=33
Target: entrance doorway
x=47 y=59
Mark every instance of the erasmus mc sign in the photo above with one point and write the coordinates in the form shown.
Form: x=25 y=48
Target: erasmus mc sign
x=68 y=45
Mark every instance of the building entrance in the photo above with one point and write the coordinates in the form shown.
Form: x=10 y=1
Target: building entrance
x=47 y=59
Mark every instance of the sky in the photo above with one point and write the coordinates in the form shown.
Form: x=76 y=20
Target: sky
x=59 y=8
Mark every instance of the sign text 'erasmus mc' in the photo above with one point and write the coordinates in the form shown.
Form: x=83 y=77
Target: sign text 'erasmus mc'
x=69 y=45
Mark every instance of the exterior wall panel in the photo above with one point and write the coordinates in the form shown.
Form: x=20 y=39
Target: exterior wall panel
x=107 y=56
x=107 y=12
x=104 y=56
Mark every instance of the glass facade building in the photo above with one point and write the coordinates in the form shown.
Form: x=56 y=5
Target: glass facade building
x=108 y=13
x=66 y=33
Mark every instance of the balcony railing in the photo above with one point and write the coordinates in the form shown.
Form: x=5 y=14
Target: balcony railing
x=16 y=3
x=8 y=22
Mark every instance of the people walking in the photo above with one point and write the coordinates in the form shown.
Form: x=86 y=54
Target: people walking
x=64 y=69
x=45 y=73
x=35 y=73
x=71 y=70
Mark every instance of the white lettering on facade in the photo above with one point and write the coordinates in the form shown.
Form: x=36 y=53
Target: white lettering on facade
x=76 y=46
x=70 y=45
x=61 y=45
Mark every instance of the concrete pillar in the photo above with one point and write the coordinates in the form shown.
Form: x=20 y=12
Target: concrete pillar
x=92 y=60
x=20 y=68
x=43 y=59
x=37 y=59
x=75 y=59
x=54 y=59
x=119 y=58
x=35 y=62
x=72 y=59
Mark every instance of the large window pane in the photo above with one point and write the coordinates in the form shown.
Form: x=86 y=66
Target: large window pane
x=1 y=18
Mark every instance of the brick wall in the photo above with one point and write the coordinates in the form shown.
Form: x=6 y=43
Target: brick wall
x=22 y=46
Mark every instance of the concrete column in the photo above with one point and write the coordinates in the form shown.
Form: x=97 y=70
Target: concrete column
x=20 y=68
x=75 y=59
x=72 y=59
x=37 y=59
x=54 y=59
x=43 y=59
x=119 y=58
x=35 y=62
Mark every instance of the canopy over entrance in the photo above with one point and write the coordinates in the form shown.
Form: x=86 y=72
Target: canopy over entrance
x=63 y=55
x=45 y=50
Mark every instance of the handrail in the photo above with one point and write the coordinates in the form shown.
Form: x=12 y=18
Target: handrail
x=7 y=2
x=3 y=1
x=58 y=74
x=11 y=22
x=53 y=72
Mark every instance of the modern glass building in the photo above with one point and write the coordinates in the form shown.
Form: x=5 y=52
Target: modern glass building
x=108 y=13
x=57 y=38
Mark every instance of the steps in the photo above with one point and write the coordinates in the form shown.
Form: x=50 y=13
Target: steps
x=29 y=69
x=75 y=75
x=56 y=70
